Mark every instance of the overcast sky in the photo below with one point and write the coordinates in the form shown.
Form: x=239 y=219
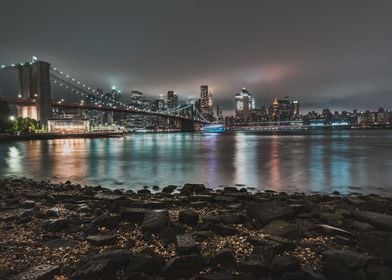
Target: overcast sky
x=326 y=53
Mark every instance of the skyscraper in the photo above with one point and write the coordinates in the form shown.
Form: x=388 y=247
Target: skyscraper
x=172 y=99
x=204 y=98
x=244 y=104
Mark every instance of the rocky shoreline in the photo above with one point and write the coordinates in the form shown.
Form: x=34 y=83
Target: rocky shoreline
x=69 y=231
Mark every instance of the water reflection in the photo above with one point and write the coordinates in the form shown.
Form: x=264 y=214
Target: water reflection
x=332 y=160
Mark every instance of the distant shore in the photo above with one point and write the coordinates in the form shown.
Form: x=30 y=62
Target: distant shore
x=70 y=231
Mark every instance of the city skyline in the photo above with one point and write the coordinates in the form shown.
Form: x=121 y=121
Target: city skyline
x=329 y=55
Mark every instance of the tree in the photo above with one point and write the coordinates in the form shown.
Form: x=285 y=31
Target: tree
x=26 y=125
x=5 y=123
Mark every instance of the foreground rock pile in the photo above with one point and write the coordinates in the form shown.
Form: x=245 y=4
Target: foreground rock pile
x=67 y=231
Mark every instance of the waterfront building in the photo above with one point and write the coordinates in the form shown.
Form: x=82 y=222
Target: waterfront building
x=244 y=104
x=219 y=113
x=68 y=125
x=284 y=109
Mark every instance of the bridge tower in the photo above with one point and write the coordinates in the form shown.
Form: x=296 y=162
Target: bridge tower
x=34 y=83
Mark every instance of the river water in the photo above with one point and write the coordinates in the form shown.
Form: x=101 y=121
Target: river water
x=315 y=161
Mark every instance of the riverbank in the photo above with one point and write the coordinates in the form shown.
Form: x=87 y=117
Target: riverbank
x=49 y=136
x=69 y=231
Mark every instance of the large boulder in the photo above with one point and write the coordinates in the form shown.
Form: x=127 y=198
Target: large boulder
x=282 y=264
x=343 y=264
x=135 y=215
x=102 y=240
x=224 y=257
x=189 y=218
x=94 y=269
x=264 y=212
x=55 y=225
x=382 y=221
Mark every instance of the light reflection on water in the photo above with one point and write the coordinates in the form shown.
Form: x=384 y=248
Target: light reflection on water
x=347 y=161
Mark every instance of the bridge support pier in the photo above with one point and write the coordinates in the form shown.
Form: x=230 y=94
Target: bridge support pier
x=34 y=83
x=187 y=126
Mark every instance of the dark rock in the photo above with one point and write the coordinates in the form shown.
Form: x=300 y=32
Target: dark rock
x=189 y=189
x=106 y=220
x=224 y=229
x=40 y=272
x=59 y=243
x=334 y=230
x=254 y=266
x=52 y=213
x=230 y=190
x=102 y=240
x=28 y=204
x=168 y=234
x=233 y=219
x=183 y=267
x=144 y=263
x=55 y=225
x=378 y=271
x=155 y=220
x=144 y=191
x=362 y=227
x=384 y=250
x=295 y=275
x=225 y=199
x=382 y=221
x=119 y=258
x=282 y=264
x=265 y=212
x=224 y=275
x=135 y=215
x=224 y=257
x=155 y=188
x=189 y=218
x=169 y=189
x=25 y=216
x=281 y=229
x=137 y=276
x=94 y=269
x=313 y=275
x=202 y=235
x=342 y=264
x=186 y=245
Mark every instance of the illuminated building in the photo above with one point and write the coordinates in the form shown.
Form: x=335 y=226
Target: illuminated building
x=204 y=99
x=284 y=109
x=219 y=112
x=68 y=126
x=244 y=104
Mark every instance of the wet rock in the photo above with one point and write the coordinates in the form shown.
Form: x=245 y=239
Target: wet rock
x=189 y=189
x=264 y=212
x=119 y=258
x=382 y=221
x=363 y=227
x=254 y=266
x=137 y=276
x=168 y=234
x=282 y=264
x=233 y=219
x=342 y=264
x=28 y=204
x=384 y=250
x=135 y=215
x=55 y=225
x=186 y=245
x=102 y=240
x=40 y=272
x=144 y=191
x=169 y=189
x=94 y=269
x=224 y=229
x=59 y=243
x=378 y=271
x=155 y=188
x=106 y=220
x=281 y=229
x=183 y=267
x=25 y=216
x=189 y=218
x=225 y=275
x=155 y=219
x=202 y=235
x=311 y=274
x=224 y=257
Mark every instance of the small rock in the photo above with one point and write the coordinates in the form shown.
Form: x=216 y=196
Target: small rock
x=102 y=240
x=144 y=191
x=106 y=220
x=55 y=225
x=186 y=245
x=59 y=243
x=189 y=218
x=224 y=229
x=144 y=264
